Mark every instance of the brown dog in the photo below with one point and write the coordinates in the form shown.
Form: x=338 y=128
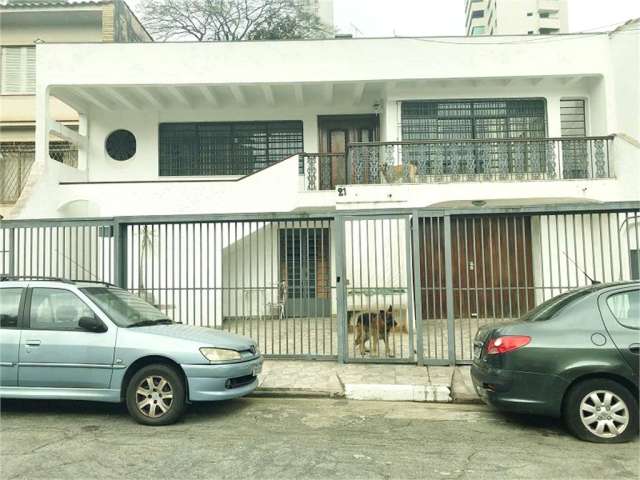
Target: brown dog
x=400 y=173
x=373 y=326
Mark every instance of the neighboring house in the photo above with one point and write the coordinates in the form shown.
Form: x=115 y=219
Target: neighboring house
x=516 y=17
x=24 y=24
x=461 y=176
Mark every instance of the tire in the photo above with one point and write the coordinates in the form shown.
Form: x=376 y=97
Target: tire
x=601 y=403
x=158 y=381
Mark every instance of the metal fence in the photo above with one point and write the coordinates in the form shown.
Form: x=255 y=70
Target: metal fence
x=266 y=278
x=16 y=159
x=401 y=286
x=442 y=161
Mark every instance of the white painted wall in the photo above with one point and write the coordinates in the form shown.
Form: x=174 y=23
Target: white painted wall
x=399 y=69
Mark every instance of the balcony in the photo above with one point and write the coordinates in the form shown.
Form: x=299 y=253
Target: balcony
x=448 y=161
x=16 y=159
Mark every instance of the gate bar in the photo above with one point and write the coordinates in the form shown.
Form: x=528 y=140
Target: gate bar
x=341 y=297
x=449 y=289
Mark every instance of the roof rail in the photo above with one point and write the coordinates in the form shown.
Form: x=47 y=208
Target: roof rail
x=98 y=282
x=8 y=278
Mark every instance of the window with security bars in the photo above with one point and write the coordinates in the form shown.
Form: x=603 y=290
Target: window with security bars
x=482 y=119
x=473 y=119
x=213 y=148
x=575 y=153
x=17 y=70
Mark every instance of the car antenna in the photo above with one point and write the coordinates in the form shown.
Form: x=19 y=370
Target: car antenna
x=593 y=282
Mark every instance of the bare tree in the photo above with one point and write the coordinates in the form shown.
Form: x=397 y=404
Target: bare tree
x=211 y=20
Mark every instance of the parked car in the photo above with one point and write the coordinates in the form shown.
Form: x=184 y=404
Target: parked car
x=576 y=356
x=79 y=340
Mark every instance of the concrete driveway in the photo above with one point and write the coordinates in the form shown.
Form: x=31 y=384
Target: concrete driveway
x=299 y=438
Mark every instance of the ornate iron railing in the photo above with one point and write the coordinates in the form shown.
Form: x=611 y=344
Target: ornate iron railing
x=441 y=161
x=16 y=159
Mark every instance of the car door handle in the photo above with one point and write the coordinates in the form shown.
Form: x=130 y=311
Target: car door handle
x=32 y=343
x=635 y=348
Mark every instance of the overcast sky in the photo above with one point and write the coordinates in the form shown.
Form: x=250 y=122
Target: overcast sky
x=384 y=18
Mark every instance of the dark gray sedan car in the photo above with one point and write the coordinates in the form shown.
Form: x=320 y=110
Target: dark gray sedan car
x=576 y=356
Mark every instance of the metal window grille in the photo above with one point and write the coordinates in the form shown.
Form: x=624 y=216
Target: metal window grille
x=16 y=159
x=241 y=148
x=473 y=119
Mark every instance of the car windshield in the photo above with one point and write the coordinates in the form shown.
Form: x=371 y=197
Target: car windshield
x=125 y=309
x=551 y=307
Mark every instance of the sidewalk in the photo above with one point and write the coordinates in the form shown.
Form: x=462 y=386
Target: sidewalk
x=366 y=381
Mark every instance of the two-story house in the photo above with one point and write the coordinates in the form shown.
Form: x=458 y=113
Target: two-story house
x=277 y=189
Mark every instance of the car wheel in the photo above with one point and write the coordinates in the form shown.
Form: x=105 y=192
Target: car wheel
x=156 y=395
x=601 y=411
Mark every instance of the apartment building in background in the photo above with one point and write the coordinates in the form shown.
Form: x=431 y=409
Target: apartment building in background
x=322 y=8
x=516 y=17
x=23 y=25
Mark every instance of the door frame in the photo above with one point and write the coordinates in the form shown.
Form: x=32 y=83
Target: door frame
x=342 y=295
x=299 y=307
x=347 y=122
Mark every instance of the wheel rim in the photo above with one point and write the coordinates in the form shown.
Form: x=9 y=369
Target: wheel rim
x=604 y=414
x=154 y=396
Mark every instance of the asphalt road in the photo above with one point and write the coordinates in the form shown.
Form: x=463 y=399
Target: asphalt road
x=299 y=438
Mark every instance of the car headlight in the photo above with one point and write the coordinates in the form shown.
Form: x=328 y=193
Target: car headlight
x=220 y=354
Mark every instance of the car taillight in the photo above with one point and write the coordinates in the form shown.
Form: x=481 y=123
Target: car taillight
x=508 y=343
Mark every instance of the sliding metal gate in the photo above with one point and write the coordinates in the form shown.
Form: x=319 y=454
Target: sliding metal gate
x=472 y=270
x=415 y=284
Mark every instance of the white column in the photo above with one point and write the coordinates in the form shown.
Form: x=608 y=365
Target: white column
x=553 y=116
x=83 y=154
x=42 y=125
x=389 y=121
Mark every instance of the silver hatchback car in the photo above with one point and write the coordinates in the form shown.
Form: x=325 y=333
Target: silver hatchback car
x=79 y=340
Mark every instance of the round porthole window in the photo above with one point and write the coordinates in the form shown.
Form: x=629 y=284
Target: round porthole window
x=121 y=145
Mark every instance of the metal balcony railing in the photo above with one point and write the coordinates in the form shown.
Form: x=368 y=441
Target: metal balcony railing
x=16 y=159
x=442 y=161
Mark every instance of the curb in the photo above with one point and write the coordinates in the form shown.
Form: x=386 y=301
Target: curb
x=293 y=393
x=399 y=393
x=368 y=392
x=468 y=401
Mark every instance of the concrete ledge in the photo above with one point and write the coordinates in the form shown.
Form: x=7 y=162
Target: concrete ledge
x=293 y=393
x=462 y=390
x=398 y=393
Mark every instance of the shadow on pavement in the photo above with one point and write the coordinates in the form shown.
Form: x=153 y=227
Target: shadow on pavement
x=195 y=413
x=547 y=426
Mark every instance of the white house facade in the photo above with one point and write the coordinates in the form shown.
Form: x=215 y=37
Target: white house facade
x=278 y=188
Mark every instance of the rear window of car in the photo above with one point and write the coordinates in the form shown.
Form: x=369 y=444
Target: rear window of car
x=550 y=308
x=625 y=307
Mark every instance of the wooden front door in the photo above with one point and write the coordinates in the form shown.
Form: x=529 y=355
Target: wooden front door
x=336 y=132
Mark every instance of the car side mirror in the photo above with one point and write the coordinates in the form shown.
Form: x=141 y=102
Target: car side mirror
x=92 y=324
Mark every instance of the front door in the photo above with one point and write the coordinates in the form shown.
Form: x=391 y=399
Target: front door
x=336 y=133
x=305 y=269
x=55 y=352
